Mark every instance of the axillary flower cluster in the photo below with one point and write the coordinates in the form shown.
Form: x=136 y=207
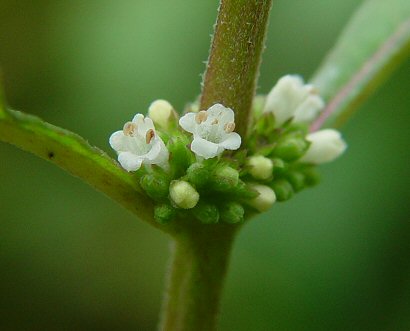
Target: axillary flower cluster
x=193 y=166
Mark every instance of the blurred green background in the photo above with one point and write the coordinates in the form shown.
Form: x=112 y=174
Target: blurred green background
x=336 y=257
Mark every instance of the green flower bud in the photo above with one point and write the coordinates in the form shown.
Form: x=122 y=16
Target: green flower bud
x=180 y=155
x=155 y=184
x=232 y=212
x=264 y=200
x=243 y=191
x=297 y=180
x=164 y=213
x=291 y=147
x=279 y=166
x=207 y=213
x=312 y=176
x=225 y=178
x=283 y=189
x=183 y=194
x=260 y=167
x=198 y=174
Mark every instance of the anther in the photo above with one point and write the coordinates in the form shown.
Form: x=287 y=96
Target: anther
x=149 y=136
x=201 y=116
x=229 y=127
x=129 y=128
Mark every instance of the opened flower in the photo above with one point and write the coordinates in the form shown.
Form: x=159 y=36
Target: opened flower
x=139 y=143
x=212 y=130
x=291 y=98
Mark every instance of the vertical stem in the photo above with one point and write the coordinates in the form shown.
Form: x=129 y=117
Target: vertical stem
x=235 y=57
x=195 y=280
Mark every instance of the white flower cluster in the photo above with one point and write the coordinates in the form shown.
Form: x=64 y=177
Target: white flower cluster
x=138 y=143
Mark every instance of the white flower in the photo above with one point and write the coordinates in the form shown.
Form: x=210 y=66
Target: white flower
x=212 y=130
x=162 y=113
x=291 y=98
x=326 y=145
x=138 y=143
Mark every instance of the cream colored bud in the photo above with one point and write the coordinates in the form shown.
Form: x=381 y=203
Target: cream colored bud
x=265 y=199
x=161 y=112
x=260 y=167
x=326 y=145
x=183 y=194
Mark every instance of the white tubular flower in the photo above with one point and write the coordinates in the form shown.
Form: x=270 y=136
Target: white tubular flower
x=138 y=143
x=290 y=97
x=326 y=145
x=162 y=113
x=212 y=130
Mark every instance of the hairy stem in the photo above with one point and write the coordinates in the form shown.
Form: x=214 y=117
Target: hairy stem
x=195 y=280
x=235 y=57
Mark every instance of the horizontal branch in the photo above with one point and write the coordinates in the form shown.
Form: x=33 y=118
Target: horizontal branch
x=72 y=153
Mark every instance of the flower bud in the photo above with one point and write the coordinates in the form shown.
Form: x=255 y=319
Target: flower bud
x=198 y=174
x=180 y=156
x=279 y=166
x=297 y=180
x=207 y=213
x=312 y=176
x=225 y=178
x=183 y=194
x=326 y=145
x=155 y=185
x=162 y=113
x=164 y=213
x=232 y=212
x=260 y=167
x=291 y=147
x=264 y=200
x=283 y=189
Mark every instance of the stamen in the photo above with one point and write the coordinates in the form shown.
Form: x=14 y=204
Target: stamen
x=215 y=121
x=201 y=116
x=229 y=127
x=149 y=136
x=129 y=128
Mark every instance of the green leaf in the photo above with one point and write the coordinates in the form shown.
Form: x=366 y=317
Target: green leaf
x=75 y=155
x=374 y=43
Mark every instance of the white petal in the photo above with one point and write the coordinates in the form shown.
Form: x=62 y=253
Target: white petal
x=309 y=109
x=187 y=122
x=138 y=118
x=326 y=145
x=205 y=148
x=117 y=141
x=285 y=97
x=129 y=161
x=221 y=112
x=232 y=141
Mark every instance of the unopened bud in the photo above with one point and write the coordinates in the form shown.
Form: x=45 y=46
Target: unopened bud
x=155 y=185
x=291 y=147
x=225 y=178
x=283 y=189
x=260 y=167
x=183 y=194
x=164 y=213
x=232 y=212
x=162 y=113
x=207 y=213
x=198 y=174
x=297 y=180
x=326 y=145
x=265 y=199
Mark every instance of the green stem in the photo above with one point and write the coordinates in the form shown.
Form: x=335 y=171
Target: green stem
x=235 y=57
x=72 y=153
x=196 y=276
